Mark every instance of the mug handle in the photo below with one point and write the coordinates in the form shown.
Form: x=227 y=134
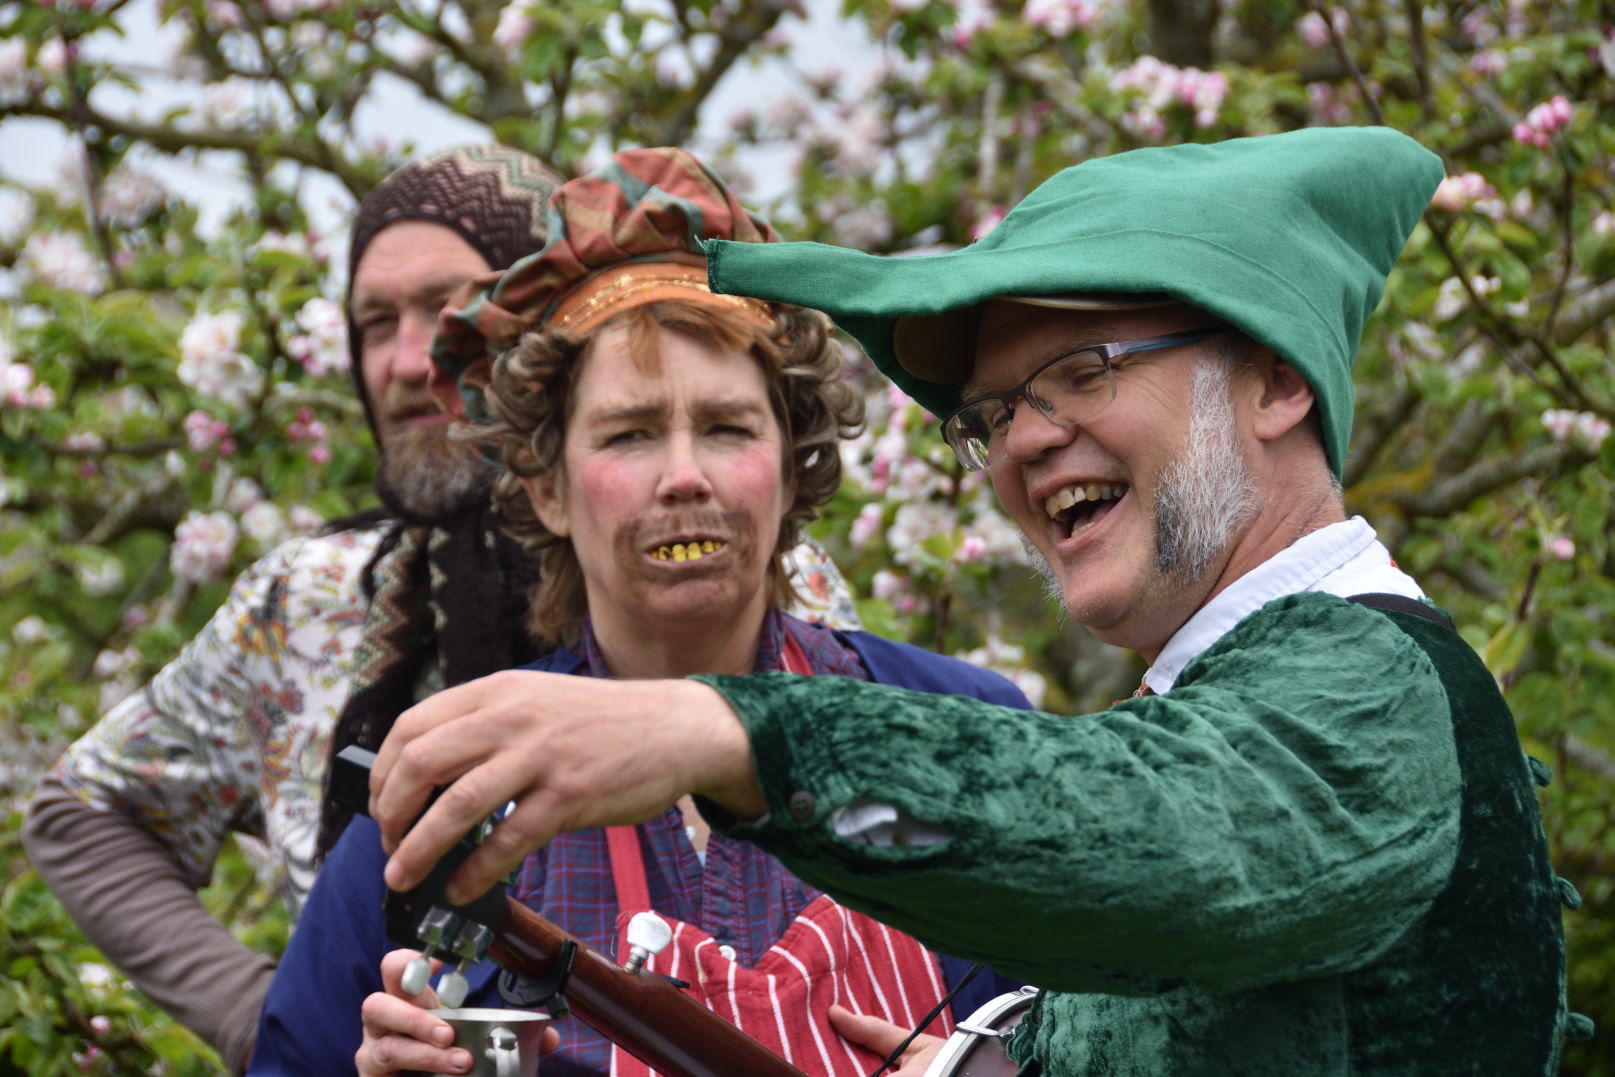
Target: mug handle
x=503 y=1052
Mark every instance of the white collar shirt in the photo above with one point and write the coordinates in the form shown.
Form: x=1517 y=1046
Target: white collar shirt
x=1342 y=559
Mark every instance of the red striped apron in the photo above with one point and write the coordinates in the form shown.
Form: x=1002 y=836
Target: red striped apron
x=829 y=954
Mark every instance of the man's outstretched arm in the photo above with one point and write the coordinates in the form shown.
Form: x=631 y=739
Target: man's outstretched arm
x=572 y=752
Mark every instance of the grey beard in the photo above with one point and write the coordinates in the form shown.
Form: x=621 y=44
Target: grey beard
x=1207 y=492
x=1040 y=564
x=426 y=476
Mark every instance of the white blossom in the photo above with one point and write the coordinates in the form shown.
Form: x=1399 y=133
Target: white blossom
x=914 y=523
x=415 y=50
x=62 y=260
x=212 y=366
x=1009 y=660
x=322 y=347
x=264 y=523
x=95 y=974
x=131 y=195
x=231 y=103
x=30 y=630
x=52 y=57
x=203 y=546
x=110 y=663
x=243 y=495
x=1451 y=297
x=13 y=69
x=103 y=577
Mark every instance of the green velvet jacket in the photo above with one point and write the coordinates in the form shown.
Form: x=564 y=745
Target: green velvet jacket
x=1320 y=853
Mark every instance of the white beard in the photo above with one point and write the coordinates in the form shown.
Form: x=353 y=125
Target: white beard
x=1207 y=493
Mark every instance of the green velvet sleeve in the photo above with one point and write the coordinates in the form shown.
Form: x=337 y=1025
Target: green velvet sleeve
x=1284 y=812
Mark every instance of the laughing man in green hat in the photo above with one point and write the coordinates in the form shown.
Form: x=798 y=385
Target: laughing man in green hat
x=1309 y=845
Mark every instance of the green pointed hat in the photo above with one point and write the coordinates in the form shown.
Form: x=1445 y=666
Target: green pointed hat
x=1287 y=237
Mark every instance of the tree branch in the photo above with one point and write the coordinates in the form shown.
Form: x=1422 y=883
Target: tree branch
x=1374 y=432
x=1449 y=495
x=1588 y=311
x=171 y=140
x=734 y=40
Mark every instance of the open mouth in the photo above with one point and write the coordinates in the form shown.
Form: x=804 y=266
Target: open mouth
x=692 y=550
x=1077 y=507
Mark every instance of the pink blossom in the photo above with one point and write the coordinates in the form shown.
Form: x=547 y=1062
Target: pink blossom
x=1058 y=18
x=1313 y=30
x=1489 y=62
x=1581 y=428
x=304 y=519
x=203 y=546
x=969 y=24
x=1458 y=192
x=100 y=1024
x=320 y=454
x=972 y=548
x=225 y=15
x=886 y=583
x=1327 y=107
x=1542 y=121
x=1560 y=548
x=1603 y=224
x=1144 y=122
x=515 y=26
x=1478 y=29
x=987 y=222
x=305 y=427
x=203 y=432
x=865 y=526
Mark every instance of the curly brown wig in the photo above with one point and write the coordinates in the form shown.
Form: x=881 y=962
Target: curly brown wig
x=531 y=398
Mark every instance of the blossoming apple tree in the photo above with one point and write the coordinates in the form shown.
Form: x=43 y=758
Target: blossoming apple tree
x=174 y=394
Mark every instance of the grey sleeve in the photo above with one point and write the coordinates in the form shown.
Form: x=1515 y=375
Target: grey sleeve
x=124 y=888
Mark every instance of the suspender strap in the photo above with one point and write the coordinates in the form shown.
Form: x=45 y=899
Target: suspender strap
x=1403 y=604
x=622 y=842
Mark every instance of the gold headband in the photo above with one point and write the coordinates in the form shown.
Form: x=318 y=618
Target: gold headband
x=617 y=289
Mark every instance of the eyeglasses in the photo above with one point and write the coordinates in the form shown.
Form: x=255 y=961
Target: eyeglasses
x=1068 y=389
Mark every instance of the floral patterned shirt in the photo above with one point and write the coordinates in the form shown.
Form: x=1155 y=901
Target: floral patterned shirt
x=234 y=733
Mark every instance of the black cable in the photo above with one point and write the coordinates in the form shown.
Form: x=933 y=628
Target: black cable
x=925 y=1022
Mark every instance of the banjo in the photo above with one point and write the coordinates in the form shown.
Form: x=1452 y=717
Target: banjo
x=976 y=1048
x=646 y=1014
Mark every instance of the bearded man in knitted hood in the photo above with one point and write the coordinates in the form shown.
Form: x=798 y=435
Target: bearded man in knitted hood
x=322 y=642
